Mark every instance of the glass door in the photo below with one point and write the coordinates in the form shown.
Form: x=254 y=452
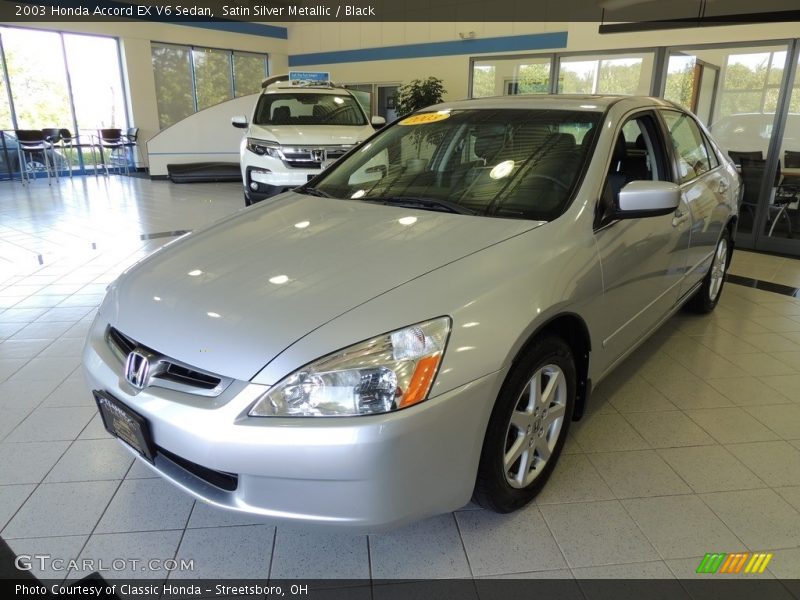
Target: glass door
x=734 y=90
x=779 y=218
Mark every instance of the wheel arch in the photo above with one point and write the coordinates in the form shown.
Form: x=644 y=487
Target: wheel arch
x=573 y=330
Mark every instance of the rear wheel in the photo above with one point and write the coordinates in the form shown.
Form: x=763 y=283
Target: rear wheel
x=528 y=427
x=707 y=297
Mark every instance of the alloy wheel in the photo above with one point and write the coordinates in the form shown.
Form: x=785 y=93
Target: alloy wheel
x=535 y=426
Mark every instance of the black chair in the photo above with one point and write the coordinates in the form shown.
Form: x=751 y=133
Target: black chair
x=752 y=175
x=55 y=137
x=113 y=152
x=132 y=143
x=737 y=156
x=791 y=160
x=35 y=154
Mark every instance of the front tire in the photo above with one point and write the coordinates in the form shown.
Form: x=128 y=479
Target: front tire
x=528 y=426
x=707 y=297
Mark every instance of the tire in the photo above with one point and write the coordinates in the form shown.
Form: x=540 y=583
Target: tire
x=524 y=427
x=707 y=297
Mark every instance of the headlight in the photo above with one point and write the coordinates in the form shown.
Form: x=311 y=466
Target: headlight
x=388 y=372
x=263 y=147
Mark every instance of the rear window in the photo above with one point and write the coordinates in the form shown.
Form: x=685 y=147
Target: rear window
x=308 y=109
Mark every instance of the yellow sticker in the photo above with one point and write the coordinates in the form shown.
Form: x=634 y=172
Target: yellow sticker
x=423 y=118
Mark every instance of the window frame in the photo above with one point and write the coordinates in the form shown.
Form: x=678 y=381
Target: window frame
x=704 y=143
x=656 y=127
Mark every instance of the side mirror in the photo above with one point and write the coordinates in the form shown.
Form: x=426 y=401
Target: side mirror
x=377 y=121
x=239 y=122
x=648 y=199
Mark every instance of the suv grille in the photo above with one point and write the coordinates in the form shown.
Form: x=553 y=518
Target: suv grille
x=312 y=158
x=167 y=372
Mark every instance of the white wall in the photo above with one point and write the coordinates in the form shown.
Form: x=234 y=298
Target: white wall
x=205 y=136
x=135 y=38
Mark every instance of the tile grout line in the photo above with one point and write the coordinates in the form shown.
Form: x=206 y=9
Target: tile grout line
x=463 y=545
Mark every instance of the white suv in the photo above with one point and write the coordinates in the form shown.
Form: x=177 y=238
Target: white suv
x=295 y=133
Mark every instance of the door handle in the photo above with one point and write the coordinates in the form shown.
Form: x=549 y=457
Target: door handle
x=723 y=186
x=679 y=217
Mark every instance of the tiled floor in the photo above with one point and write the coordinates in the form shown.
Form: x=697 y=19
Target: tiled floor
x=691 y=446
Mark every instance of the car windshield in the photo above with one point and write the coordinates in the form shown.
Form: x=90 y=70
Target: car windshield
x=308 y=109
x=512 y=163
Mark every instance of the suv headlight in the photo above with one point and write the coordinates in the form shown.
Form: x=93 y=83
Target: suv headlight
x=263 y=147
x=389 y=372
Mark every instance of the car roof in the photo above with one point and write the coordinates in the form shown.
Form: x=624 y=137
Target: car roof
x=305 y=89
x=554 y=102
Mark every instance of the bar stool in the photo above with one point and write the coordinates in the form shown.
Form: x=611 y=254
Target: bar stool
x=72 y=143
x=33 y=150
x=112 y=141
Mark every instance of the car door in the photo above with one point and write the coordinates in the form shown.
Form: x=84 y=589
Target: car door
x=704 y=184
x=642 y=259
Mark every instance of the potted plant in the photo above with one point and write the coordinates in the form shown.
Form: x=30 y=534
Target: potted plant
x=417 y=95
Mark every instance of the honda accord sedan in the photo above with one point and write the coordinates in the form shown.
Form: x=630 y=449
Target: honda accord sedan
x=419 y=324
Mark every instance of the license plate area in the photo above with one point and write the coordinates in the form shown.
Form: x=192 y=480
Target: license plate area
x=125 y=424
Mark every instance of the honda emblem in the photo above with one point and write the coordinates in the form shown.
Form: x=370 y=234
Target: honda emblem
x=137 y=369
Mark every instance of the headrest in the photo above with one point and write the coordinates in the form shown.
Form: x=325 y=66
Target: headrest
x=281 y=114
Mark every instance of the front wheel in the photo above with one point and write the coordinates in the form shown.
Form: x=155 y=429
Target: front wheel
x=528 y=427
x=707 y=297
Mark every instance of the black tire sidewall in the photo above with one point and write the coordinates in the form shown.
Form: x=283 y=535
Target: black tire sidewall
x=492 y=489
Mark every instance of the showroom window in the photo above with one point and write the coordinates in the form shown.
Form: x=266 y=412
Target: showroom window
x=509 y=77
x=189 y=79
x=249 y=70
x=625 y=75
x=54 y=79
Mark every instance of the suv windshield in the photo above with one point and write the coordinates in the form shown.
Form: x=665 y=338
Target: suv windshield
x=512 y=163
x=308 y=109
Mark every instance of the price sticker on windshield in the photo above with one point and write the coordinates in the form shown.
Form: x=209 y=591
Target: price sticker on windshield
x=423 y=118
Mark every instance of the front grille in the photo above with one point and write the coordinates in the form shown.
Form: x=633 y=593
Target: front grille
x=225 y=481
x=124 y=344
x=167 y=372
x=300 y=164
x=312 y=158
x=190 y=377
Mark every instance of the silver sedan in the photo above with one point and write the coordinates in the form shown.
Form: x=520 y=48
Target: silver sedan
x=419 y=324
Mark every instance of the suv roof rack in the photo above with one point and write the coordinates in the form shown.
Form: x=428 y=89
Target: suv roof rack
x=276 y=79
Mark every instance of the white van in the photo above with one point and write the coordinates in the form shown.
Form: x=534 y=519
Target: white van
x=296 y=132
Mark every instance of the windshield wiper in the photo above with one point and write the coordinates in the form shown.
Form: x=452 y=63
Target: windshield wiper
x=312 y=191
x=423 y=203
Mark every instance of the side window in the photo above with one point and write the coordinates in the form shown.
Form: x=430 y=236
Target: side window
x=690 y=147
x=638 y=155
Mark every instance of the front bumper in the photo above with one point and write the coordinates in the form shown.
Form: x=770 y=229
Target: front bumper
x=259 y=185
x=364 y=473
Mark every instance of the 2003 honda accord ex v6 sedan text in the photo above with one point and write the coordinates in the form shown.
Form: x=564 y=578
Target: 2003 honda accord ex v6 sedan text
x=419 y=324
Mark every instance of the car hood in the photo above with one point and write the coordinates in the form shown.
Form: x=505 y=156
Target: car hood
x=230 y=298
x=312 y=135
